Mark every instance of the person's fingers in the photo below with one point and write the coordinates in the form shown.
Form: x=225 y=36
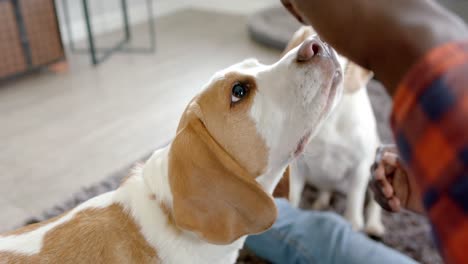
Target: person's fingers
x=389 y=170
x=387 y=188
x=394 y=184
x=390 y=159
x=390 y=148
x=394 y=204
x=379 y=172
x=388 y=177
x=385 y=148
x=378 y=195
x=380 y=176
x=290 y=7
x=383 y=191
x=391 y=164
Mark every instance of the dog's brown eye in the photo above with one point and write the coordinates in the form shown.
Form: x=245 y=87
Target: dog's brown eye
x=239 y=91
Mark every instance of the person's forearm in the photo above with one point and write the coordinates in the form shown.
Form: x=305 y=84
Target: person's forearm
x=387 y=37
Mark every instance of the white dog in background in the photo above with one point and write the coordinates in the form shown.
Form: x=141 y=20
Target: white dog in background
x=339 y=157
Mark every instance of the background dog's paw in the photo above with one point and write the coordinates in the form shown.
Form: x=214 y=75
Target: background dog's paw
x=320 y=205
x=357 y=223
x=375 y=230
x=323 y=201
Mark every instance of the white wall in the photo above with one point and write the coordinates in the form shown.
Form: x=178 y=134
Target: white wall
x=106 y=14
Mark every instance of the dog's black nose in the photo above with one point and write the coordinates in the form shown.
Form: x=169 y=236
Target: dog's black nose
x=311 y=47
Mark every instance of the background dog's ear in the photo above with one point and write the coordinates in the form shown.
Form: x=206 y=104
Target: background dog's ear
x=213 y=196
x=356 y=77
x=282 y=189
x=299 y=36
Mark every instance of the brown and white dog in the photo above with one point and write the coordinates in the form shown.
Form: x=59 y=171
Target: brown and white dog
x=338 y=158
x=197 y=199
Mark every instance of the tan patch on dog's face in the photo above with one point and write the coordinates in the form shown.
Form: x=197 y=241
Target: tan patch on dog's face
x=213 y=163
x=104 y=235
x=230 y=123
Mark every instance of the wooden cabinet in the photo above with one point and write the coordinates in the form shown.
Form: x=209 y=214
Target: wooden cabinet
x=12 y=59
x=29 y=36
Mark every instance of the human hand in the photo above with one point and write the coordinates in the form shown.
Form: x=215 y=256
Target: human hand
x=393 y=187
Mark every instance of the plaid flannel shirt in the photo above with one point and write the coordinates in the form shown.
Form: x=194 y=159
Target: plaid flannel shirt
x=430 y=124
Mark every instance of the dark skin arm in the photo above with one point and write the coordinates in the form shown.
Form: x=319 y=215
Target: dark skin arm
x=387 y=37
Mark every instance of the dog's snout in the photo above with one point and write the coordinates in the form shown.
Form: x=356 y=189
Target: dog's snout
x=310 y=48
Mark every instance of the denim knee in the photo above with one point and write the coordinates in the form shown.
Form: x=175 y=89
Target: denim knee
x=310 y=237
x=326 y=220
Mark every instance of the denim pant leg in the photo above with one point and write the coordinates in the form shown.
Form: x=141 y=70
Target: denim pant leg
x=318 y=237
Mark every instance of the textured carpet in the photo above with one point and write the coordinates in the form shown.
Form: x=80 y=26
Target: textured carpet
x=407 y=232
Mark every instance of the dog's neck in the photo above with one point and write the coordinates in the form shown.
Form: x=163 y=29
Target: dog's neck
x=153 y=181
x=156 y=176
x=154 y=216
x=270 y=180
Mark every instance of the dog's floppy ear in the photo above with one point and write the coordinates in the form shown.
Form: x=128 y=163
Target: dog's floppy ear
x=213 y=196
x=356 y=77
x=282 y=189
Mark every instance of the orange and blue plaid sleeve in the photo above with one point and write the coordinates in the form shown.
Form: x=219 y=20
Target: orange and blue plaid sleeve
x=430 y=125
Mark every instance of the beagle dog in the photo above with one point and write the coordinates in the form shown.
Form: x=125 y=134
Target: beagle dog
x=345 y=145
x=197 y=199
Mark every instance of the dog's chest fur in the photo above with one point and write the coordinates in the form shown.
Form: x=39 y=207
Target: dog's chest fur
x=348 y=136
x=172 y=244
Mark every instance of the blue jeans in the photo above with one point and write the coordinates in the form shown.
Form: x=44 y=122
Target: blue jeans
x=318 y=238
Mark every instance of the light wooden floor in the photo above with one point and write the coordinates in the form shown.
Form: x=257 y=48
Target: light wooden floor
x=61 y=132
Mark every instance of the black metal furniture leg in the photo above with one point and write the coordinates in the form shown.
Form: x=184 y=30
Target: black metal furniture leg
x=92 y=48
x=66 y=16
x=125 y=20
x=105 y=52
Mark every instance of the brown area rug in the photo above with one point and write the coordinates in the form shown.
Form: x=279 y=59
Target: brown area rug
x=407 y=232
